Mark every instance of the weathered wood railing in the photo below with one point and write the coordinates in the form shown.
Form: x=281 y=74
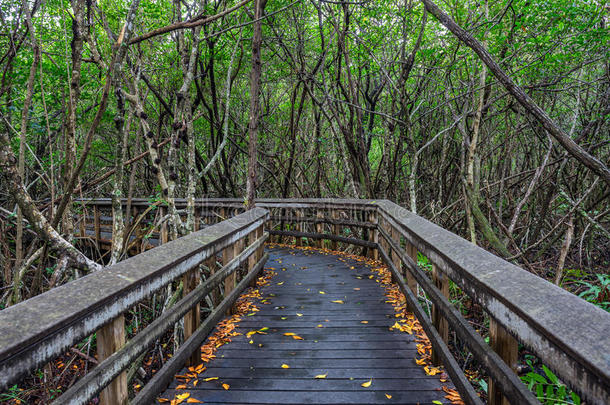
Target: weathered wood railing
x=568 y=334
x=38 y=330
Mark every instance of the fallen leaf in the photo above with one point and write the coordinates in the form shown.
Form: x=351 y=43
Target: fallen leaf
x=182 y=397
x=285 y=366
x=367 y=384
x=388 y=396
x=437 y=402
x=320 y=326
x=364 y=321
x=162 y=399
x=195 y=383
x=225 y=386
x=280 y=283
x=193 y=401
x=288 y=334
x=295 y=337
x=299 y=314
x=210 y=379
x=320 y=376
x=181 y=387
x=322 y=292
x=338 y=302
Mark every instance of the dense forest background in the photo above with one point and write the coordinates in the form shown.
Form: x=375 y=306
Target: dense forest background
x=366 y=99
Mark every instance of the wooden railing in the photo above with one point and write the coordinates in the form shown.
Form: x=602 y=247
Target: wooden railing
x=38 y=330
x=568 y=334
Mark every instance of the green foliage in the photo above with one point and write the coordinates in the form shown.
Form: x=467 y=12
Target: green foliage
x=548 y=388
x=598 y=294
x=14 y=393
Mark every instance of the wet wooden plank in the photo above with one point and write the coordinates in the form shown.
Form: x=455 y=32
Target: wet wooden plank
x=335 y=342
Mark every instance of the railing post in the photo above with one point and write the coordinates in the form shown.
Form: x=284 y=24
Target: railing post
x=440 y=322
x=190 y=280
x=110 y=338
x=336 y=228
x=96 y=225
x=506 y=346
x=163 y=235
x=211 y=265
x=82 y=224
x=197 y=218
x=395 y=235
x=412 y=253
x=320 y=227
x=298 y=227
x=373 y=235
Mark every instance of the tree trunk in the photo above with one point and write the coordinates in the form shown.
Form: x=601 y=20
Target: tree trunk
x=255 y=106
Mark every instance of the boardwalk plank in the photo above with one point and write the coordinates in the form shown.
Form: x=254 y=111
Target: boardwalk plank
x=335 y=342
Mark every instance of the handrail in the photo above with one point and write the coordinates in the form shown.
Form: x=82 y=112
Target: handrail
x=41 y=328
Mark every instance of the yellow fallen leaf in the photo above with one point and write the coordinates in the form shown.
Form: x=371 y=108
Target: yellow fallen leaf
x=322 y=292
x=338 y=302
x=285 y=366
x=193 y=401
x=288 y=334
x=162 y=399
x=295 y=337
x=225 y=386
x=299 y=314
x=367 y=384
x=184 y=396
x=364 y=321
x=320 y=376
x=388 y=396
x=420 y=362
x=320 y=326
x=181 y=387
x=280 y=283
x=210 y=379
x=195 y=383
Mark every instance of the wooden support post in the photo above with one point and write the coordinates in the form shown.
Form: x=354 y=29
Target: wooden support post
x=197 y=218
x=110 y=338
x=254 y=256
x=395 y=258
x=506 y=346
x=298 y=226
x=192 y=318
x=259 y=234
x=411 y=282
x=96 y=225
x=336 y=229
x=320 y=227
x=82 y=223
x=227 y=255
x=440 y=322
x=373 y=235
x=215 y=294
x=163 y=234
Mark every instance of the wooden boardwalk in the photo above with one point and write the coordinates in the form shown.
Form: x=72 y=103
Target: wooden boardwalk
x=278 y=369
